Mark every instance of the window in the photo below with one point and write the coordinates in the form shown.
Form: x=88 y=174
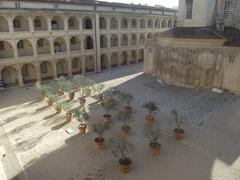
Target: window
x=40 y=43
x=25 y=70
x=1 y=45
x=227 y=7
x=16 y=23
x=55 y=6
x=20 y=45
x=71 y=22
x=37 y=23
x=73 y=40
x=17 y=5
x=231 y=59
x=189 y=5
x=44 y=67
x=75 y=63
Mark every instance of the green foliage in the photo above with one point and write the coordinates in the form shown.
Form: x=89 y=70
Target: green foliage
x=125 y=117
x=108 y=105
x=120 y=146
x=61 y=83
x=68 y=86
x=98 y=88
x=153 y=133
x=150 y=106
x=62 y=105
x=81 y=115
x=44 y=90
x=127 y=97
x=178 y=119
x=78 y=81
x=52 y=97
x=99 y=128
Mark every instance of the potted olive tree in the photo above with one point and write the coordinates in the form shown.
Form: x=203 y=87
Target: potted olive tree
x=99 y=88
x=108 y=106
x=51 y=98
x=82 y=99
x=78 y=81
x=120 y=147
x=82 y=116
x=43 y=90
x=151 y=108
x=59 y=106
x=128 y=98
x=88 y=86
x=179 y=120
x=69 y=88
x=61 y=85
x=99 y=128
x=125 y=117
x=153 y=134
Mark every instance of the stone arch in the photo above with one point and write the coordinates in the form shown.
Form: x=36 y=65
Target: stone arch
x=164 y=24
x=104 y=61
x=133 y=57
x=89 y=42
x=141 y=55
x=103 y=41
x=190 y=76
x=59 y=45
x=62 y=67
x=29 y=73
x=157 y=23
x=124 y=23
x=142 y=39
x=90 y=64
x=150 y=23
x=57 y=23
x=142 y=24
x=73 y=23
x=124 y=40
x=133 y=39
x=24 y=48
x=114 y=60
x=40 y=23
x=3 y=24
x=20 y=23
x=209 y=78
x=77 y=65
x=75 y=43
x=102 y=23
x=169 y=23
x=43 y=46
x=134 y=23
x=173 y=73
x=124 y=58
x=46 y=70
x=113 y=23
x=9 y=76
x=6 y=50
x=114 y=41
x=87 y=23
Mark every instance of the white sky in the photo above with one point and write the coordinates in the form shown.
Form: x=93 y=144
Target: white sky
x=166 y=3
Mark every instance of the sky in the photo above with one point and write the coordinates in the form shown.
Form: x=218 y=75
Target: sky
x=166 y=3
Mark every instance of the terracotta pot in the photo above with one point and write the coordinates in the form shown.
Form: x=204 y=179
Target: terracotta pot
x=128 y=109
x=107 y=118
x=99 y=97
x=71 y=95
x=82 y=128
x=179 y=133
x=125 y=129
x=41 y=97
x=82 y=102
x=50 y=102
x=68 y=117
x=99 y=142
x=61 y=92
x=58 y=110
x=149 y=118
x=155 y=148
x=125 y=164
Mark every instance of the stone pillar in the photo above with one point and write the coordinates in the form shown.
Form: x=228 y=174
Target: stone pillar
x=67 y=44
x=108 y=23
x=35 y=53
x=119 y=40
x=15 y=51
x=82 y=43
x=31 y=26
x=1 y=80
x=97 y=47
x=129 y=39
x=109 y=61
x=51 y=46
x=70 y=67
x=83 y=65
x=54 y=65
x=10 y=24
x=38 y=71
x=119 y=58
x=80 y=24
x=20 y=78
x=49 y=23
x=66 y=24
x=129 y=57
x=108 y=41
x=119 y=23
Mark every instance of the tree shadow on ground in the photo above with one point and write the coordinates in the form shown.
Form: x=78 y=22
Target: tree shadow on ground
x=51 y=115
x=59 y=126
x=13 y=118
x=21 y=128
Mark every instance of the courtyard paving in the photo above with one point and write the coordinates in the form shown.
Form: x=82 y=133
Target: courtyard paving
x=38 y=147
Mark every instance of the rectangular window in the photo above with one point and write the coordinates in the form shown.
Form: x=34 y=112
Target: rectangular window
x=20 y=45
x=40 y=43
x=226 y=10
x=189 y=6
x=55 y=6
x=17 y=5
x=73 y=40
x=16 y=23
x=71 y=23
x=44 y=68
x=1 y=45
x=25 y=71
x=37 y=23
x=231 y=59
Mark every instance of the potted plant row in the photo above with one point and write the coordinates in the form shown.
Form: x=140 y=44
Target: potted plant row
x=179 y=120
x=153 y=134
x=151 y=108
x=82 y=116
x=99 y=128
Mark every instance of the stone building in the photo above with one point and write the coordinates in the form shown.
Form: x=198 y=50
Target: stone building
x=44 y=39
x=203 y=51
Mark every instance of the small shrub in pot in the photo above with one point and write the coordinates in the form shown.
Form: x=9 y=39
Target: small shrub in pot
x=151 y=108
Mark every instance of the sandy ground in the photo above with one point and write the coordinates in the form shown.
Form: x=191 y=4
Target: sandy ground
x=39 y=148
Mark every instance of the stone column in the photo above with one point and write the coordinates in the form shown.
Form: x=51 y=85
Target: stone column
x=69 y=67
x=51 y=46
x=35 y=53
x=38 y=71
x=54 y=65
x=66 y=24
x=109 y=61
x=49 y=23
x=15 y=51
x=1 y=80
x=83 y=65
x=10 y=24
x=119 y=40
x=108 y=23
x=80 y=24
x=129 y=57
x=67 y=44
x=20 y=78
x=31 y=27
x=97 y=46
x=119 y=58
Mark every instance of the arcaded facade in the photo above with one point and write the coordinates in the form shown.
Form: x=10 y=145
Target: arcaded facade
x=203 y=51
x=42 y=40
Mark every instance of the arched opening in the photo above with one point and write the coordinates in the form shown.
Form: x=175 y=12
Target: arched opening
x=77 y=65
x=43 y=46
x=57 y=23
x=104 y=61
x=87 y=23
x=29 y=73
x=102 y=23
x=149 y=36
x=113 y=23
x=75 y=43
x=20 y=23
x=169 y=24
x=133 y=39
x=24 y=48
x=141 y=55
x=90 y=64
x=133 y=57
x=134 y=23
x=190 y=77
x=164 y=23
x=103 y=41
x=73 y=23
x=124 y=58
x=88 y=42
x=124 y=23
x=124 y=40
x=209 y=78
x=142 y=39
x=59 y=45
x=62 y=68
x=9 y=77
x=150 y=23
x=114 y=60
x=114 y=41
x=157 y=23
x=40 y=23
x=142 y=23
x=46 y=70
x=6 y=50
x=3 y=24
x=173 y=73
